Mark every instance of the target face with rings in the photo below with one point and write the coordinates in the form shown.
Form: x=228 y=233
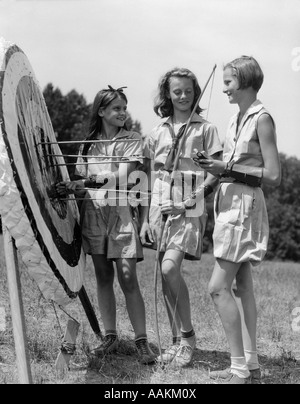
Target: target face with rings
x=45 y=229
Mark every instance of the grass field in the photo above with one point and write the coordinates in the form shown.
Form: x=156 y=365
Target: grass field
x=277 y=287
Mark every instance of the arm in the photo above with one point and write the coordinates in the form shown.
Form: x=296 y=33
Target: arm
x=79 y=186
x=119 y=177
x=202 y=191
x=271 y=174
x=206 y=188
x=145 y=232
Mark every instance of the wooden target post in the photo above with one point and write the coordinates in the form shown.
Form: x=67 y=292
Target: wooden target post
x=17 y=310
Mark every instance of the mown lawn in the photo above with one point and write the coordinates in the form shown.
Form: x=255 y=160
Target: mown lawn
x=277 y=287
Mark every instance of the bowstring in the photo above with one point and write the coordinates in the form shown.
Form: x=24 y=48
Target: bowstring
x=177 y=295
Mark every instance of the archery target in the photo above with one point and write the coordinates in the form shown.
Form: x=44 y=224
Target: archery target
x=45 y=229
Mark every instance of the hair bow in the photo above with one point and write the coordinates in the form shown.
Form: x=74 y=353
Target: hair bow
x=119 y=90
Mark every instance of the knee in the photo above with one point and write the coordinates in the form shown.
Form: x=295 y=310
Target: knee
x=105 y=277
x=128 y=283
x=104 y=281
x=169 y=272
x=217 y=291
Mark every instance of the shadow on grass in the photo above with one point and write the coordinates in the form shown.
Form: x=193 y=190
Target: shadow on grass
x=283 y=369
x=123 y=367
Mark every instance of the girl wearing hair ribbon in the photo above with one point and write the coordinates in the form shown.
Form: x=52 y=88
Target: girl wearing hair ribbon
x=109 y=224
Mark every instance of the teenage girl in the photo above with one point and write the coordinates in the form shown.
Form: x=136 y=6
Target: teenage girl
x=183 y=235
x=109 y=225
x=241 y=222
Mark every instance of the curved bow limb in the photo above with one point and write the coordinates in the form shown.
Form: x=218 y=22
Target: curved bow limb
x=156 y=269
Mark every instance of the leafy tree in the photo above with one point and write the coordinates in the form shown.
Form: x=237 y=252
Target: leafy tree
x=284 y=212
x=69 y=115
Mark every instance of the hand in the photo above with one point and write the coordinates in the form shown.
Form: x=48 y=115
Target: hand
x=169 y=208
x=214 y=167
x=146 y=235
x=103 y=176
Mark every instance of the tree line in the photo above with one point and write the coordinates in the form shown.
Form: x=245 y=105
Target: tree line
x=70 y=114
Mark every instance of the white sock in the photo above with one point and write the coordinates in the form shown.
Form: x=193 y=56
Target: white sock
x=252 y=360
x=239 y=367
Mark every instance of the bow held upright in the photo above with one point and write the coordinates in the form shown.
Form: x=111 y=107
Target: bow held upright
x=171 y=168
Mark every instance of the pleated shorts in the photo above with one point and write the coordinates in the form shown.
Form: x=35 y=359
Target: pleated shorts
x=112 y=231
x=181 y=233
x=241 y=229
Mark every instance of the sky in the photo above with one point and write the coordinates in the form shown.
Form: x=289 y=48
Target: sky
x=87 y=45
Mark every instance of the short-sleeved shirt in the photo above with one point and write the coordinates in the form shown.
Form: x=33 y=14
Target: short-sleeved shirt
x=125 y=146
x=106 y=229
x=202 y=135
x=181 y=232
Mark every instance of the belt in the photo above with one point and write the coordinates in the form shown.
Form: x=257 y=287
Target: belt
x=230 y=180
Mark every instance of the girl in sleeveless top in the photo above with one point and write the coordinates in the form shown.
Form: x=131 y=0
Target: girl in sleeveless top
x=241 y=231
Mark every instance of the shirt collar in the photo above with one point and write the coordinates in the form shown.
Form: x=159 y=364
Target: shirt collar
x=123 y=133
x=255 y=107
x=196 y=119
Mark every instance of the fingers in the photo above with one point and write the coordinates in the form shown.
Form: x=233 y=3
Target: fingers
x=65 y=187
x=61 y=188
x=146 y=237
x=148 y=240
x=205 y=164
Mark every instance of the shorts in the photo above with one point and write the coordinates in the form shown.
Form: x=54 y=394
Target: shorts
x=112 y=231
x=241 y=229
x=181 y=233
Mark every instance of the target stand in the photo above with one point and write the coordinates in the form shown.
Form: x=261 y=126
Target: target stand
x=17 y=310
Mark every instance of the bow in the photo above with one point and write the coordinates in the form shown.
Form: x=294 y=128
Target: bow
x=118 y=90
x=165 y=217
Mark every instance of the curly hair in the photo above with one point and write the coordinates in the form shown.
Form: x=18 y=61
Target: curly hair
x=163 y=106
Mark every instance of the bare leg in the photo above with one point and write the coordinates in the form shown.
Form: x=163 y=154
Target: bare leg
x=106 y=298
x=171 y=306
x=134 y=300
x=176 y=292
x=220 y=288
x=244 y=295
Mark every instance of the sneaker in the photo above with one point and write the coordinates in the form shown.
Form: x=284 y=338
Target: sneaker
x=146 y=355
x=255 y=375
x=183 y=356
x=220 y=374
x=234 y=379
x=110 y=344
x=169 y=354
